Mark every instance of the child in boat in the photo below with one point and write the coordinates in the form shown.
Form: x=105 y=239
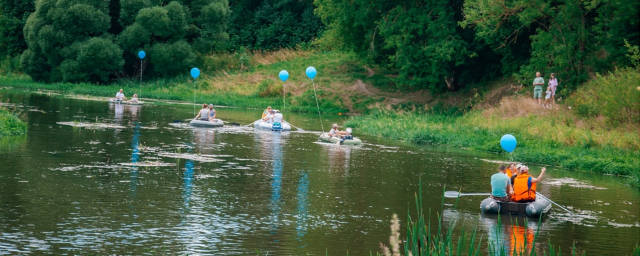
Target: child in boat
x=345 y=136
x=134 y=99
x=269 y=117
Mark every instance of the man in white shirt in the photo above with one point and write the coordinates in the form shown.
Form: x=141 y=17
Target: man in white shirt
x=277 y=117
x=120 y=96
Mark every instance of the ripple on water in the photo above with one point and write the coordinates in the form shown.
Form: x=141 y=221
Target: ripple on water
x=571 y=183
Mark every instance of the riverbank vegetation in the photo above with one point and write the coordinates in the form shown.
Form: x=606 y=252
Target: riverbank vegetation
x=601 y=139
x=10 y=123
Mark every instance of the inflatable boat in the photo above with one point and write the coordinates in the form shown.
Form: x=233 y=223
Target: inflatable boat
x=284 y=126
x=114 y=101
x=533 y=209
x=326 y=138
x=201 y=123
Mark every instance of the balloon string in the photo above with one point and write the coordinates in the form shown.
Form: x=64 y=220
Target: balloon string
x=318 y=106
x=284 y=93
x=194 y=96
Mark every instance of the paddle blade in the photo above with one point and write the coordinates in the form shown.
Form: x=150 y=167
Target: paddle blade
x=451 y=194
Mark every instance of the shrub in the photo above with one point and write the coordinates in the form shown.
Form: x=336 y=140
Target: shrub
x=614 y=96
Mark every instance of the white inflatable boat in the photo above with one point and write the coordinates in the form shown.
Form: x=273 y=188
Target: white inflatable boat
x=326 y=138
x=114 y=101
x=284 y=126
x=202 y=123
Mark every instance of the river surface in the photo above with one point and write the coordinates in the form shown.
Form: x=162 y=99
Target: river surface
x=94 y=178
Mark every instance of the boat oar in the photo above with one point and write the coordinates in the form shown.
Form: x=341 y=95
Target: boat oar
x=561 y=207
x=299 y=129
x=456 y=194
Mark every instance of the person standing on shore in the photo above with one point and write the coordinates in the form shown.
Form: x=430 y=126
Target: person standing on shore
x=537 y=87
x=553 y=83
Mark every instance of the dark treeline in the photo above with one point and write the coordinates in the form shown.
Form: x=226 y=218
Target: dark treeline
x=441 y=45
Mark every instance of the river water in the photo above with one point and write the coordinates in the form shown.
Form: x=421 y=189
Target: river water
x=94 y=178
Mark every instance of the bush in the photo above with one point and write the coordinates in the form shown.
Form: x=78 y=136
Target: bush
x=10 y=124
x=614 y=96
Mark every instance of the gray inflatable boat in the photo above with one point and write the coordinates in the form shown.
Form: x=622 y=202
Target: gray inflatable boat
x=534 y=209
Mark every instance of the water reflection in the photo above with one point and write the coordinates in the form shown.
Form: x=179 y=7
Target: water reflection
x=302 y=208
x=135 y=156
x=339 y=157
x=118 y=110
x=509 y=233
x=204 y=139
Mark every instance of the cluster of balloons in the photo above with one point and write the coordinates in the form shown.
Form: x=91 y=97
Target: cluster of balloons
x=311 y=73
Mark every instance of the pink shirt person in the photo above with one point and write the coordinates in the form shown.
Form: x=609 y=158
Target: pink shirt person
x=553 y=83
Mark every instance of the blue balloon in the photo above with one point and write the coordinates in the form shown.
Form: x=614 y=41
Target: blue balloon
x=311 y=72
x=508 y=142
x=195 y=72
x=284 y=75
x=141 y=54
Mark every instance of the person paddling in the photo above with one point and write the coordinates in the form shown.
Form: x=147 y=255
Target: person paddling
x=500 y=185
x=346 y=135
x=203 y=114
x=524 y=185
x=334 y=132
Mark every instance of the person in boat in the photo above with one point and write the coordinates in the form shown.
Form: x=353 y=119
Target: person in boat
x=134 y=99
x=277 y=117
x=266 y=112
x=334 y=132
x=120 y=95
x=212 y=113
x=524 y=185
x=345 y=136
x=269 y=117
x=511 y=170
x=500 y=185
x=203 y=114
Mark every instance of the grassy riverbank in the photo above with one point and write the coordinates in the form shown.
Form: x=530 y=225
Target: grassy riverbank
x=249 y=81
x=603 y=138
x=11 y=124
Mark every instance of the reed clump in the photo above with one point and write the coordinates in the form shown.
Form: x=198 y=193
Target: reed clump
x=10 y=123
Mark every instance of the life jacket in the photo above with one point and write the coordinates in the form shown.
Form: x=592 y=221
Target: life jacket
x=523 y=188
x=264 y=114
x=509 y=173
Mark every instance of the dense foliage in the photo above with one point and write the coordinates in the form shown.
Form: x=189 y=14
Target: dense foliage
x=272 y=24
x=74 y=40
x=444 y=44
x=13 y=15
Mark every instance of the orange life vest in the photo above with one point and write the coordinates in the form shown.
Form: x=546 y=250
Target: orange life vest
x=510 y=173
x=264 y=114
x=523 y=188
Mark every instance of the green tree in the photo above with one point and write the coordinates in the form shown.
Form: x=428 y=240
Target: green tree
x=13 y=15
x=570 y=37
x=272 y=24
x=419 y=39
x=97 y=41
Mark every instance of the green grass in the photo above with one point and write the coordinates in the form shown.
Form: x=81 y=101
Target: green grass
x=569 y=147
x=10 y=124
x=223 y=83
